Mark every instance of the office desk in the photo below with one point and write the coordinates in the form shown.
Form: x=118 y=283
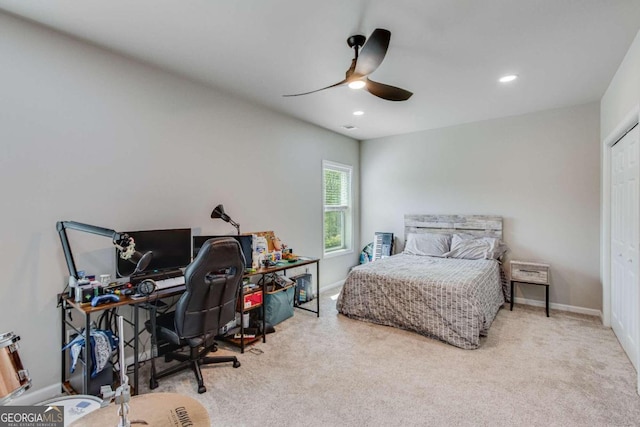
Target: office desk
x=87 y=311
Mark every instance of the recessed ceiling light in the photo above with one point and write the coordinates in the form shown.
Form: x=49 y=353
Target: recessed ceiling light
x=358 y=113
x=509 y=78
x=357 y=84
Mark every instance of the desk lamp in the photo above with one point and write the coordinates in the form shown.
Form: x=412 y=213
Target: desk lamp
x=218 y=212
x=122 y=241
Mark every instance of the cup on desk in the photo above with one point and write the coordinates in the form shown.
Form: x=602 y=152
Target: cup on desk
x=245 y=320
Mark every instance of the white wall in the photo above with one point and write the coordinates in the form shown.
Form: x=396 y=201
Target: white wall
x=623 y=93
x=90 y=136
x=538 y=171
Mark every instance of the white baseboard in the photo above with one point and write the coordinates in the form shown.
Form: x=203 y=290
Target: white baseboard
x=332 y=285
x=561 y=307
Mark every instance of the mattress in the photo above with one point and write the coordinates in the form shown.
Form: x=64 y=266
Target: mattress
x=454 y=300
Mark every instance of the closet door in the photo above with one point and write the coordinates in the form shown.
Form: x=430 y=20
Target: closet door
x=625 y=200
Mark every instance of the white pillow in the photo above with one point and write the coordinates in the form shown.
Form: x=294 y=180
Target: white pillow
x=466 y=246
x=429 y=244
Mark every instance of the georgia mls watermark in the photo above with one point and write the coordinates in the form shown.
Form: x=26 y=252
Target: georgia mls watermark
x=31 y=416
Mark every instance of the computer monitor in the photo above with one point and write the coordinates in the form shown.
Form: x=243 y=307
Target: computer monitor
x=246 y=243
x=171 y=250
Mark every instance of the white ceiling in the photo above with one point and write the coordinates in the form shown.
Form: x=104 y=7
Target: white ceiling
x=450 y=53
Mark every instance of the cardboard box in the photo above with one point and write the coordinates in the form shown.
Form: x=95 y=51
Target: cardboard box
x=250 y=300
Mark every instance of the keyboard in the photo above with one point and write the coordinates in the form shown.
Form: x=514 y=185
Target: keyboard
x=169 y=283
x=156 y=276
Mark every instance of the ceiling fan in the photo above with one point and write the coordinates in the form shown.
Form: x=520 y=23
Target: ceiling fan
x=365 y=62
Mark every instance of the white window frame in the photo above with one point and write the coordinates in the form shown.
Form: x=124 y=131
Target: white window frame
x=348 y=210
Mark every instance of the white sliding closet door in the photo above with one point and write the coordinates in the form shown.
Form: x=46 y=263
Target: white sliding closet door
x=625 y=238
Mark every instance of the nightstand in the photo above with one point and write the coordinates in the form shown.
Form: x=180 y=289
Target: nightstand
x=531 y=273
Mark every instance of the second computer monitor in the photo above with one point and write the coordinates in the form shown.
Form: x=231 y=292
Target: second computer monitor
x=246 y=243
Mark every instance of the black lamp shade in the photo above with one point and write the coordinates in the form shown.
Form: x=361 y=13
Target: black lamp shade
x=218 y=212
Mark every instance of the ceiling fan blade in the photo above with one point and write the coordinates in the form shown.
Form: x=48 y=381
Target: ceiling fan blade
x=318 y=90
x=390 y=93
x=373 y=52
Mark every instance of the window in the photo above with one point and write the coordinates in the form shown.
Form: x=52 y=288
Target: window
x=338 y=222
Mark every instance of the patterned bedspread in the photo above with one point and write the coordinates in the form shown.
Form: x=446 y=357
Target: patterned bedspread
x=454 y=300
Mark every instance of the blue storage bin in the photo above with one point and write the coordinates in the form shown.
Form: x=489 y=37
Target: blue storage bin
x=279 y=304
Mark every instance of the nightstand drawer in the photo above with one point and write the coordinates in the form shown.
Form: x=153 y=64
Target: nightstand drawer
x=530 y=272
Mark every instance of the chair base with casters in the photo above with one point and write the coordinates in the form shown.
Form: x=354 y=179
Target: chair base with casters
x=192 y=360
x=196 y=357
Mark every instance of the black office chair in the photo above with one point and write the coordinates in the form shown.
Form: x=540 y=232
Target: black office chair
x=212 y=283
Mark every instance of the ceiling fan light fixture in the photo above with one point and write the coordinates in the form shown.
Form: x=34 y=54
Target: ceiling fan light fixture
x=365 y=62
x=508 y=78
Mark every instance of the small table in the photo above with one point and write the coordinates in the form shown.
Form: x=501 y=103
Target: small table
x=531 y=273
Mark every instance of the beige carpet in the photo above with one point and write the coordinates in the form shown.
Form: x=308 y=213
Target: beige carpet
x=564 y=370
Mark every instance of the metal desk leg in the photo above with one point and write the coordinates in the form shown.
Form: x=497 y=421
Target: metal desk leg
x=511 y=297
x=86 y=352
x=264 y=317
x=63 y=339
x=318 y=283
x=136 y=338
x=264 y=311
x=547 y=298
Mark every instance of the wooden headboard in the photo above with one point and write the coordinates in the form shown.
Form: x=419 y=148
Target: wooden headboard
x=478 y=225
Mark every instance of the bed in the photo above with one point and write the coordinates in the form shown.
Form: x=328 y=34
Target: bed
x=440 y=292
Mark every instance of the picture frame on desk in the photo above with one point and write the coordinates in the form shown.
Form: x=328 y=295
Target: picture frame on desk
x=268 y=235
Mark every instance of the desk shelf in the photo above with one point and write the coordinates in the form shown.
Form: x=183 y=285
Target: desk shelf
x=254 y=296
x=247 y=341
x=262 y=273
